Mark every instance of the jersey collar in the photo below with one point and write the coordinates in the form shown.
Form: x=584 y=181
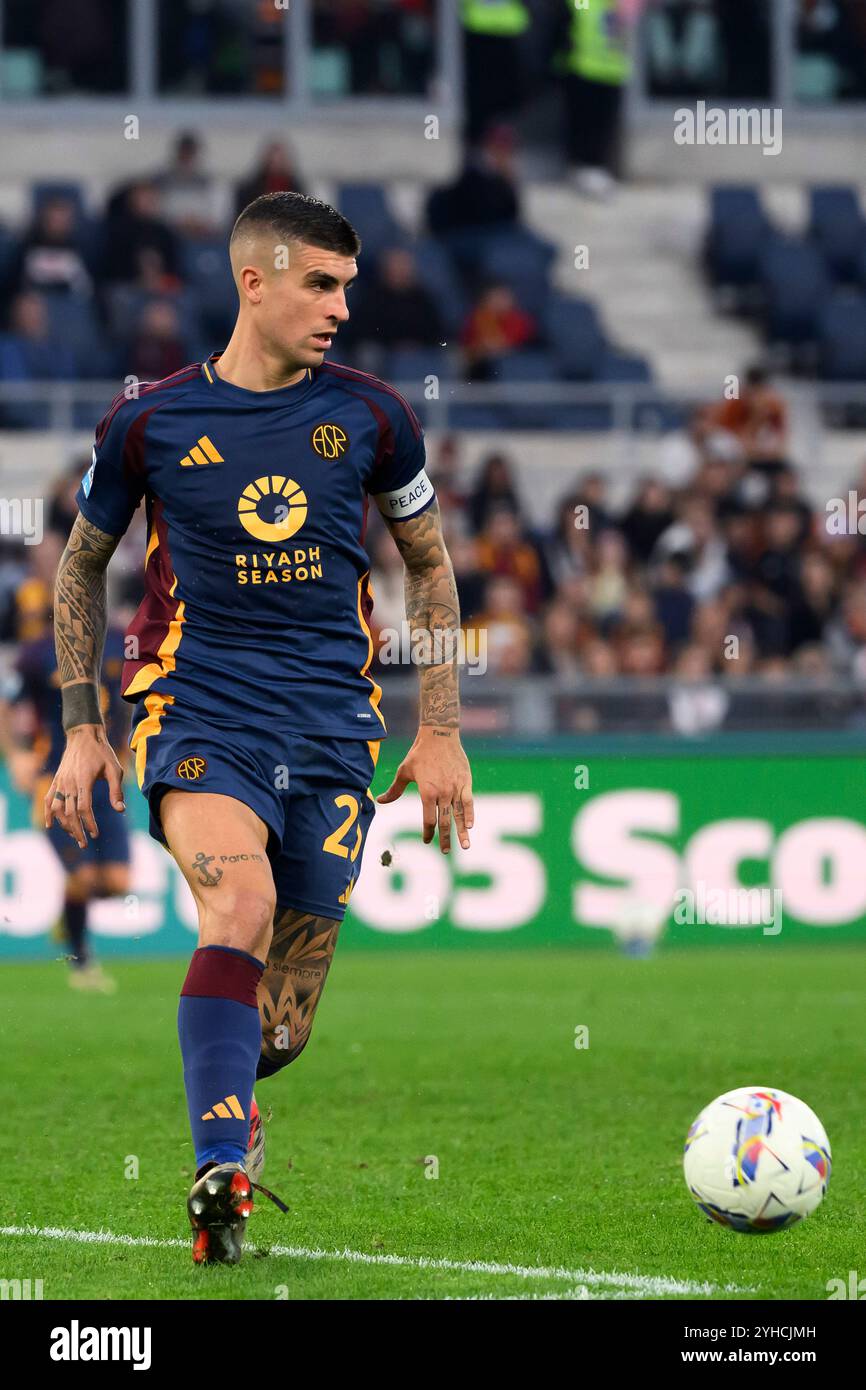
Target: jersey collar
x=281 y=394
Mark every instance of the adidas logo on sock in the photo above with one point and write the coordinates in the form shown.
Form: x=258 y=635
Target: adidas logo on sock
x=226 y=1110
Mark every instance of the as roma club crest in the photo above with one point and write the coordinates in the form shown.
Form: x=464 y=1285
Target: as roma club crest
x=191 y=769
x=329 y=441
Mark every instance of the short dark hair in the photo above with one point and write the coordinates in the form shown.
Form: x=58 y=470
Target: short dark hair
x=298 y=217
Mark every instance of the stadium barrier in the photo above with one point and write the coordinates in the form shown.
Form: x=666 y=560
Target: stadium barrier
x=600 y=842
x=443 y=400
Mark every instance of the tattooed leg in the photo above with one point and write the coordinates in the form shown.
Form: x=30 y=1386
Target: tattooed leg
x=299 y=958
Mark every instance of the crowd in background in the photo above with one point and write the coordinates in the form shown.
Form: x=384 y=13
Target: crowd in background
x=144 y=287
x=728 y=571
x=663 y=584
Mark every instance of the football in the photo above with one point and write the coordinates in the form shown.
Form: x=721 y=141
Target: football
x=757 y=1160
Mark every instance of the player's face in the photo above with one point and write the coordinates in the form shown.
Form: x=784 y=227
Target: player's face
x=305 y=303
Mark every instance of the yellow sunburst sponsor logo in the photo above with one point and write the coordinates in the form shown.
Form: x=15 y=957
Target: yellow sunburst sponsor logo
x=292 y=500
x=329 y=440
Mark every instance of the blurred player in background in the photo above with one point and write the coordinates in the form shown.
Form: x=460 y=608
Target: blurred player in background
x=32 y=742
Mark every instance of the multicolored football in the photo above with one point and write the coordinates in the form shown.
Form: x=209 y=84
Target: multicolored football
x=757 y=1160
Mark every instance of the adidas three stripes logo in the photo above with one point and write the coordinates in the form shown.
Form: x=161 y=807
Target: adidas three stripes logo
x=205 y=451
x=226 y=1110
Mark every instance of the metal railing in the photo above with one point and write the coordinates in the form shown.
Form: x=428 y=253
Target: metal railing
x=531 y=707
x=633 y=408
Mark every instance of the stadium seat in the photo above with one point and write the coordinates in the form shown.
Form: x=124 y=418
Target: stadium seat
x=574 y=337
x=438 y=274
x=737 y=232
x=795 y=282
x=206 y=268
x=531 y=365
x=617 y=366
x=74 y=324
x=521 y=260
x=476 y=417
x=414 y=364
x=842 y=332
x=502 y=252
x=838 y=228
x=366 y=207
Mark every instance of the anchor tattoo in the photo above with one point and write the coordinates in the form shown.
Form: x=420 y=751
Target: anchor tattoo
x=201 y=861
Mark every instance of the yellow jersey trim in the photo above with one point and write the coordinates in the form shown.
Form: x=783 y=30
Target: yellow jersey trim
x=376 y=692
x=146 y=728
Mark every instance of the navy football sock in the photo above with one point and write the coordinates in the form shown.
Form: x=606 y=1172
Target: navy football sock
x=220 y=1041
x=75 y=930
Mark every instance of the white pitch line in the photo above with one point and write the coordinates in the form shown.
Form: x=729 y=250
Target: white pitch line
x=648 y=1284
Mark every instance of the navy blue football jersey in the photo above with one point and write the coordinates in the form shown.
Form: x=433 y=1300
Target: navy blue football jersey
x=257 y=583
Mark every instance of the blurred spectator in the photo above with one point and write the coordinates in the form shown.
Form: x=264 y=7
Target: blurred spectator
x=561 y=632
x=30 y=352
x=608 y=579
x=503 y=620
x=495 y=327
x=697 y=704
x=592 y=60
x=847 y=634
x=758 y=418
x=568 y=547
x=444 y=472
x=695 y=538
x=50 y=257
x=34 y=597
x=190 y=201
x=135 y=226
x=493 y=75
x=674 y=605
x=637 y=635
x=395 y=310
x=275 y=173
x=484 y=194
x=62 y=507
x=778 y=565
x=816 y=603
x=495 y=488
x=468 y=575
x=504 y=550
x=158 y=348
x=598 y=660
x=648 y=516
x=14 y=564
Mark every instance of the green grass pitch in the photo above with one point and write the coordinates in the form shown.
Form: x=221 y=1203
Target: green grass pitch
x=559 y=1170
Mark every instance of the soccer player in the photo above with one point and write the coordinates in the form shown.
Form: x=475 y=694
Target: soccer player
x=101 y=869
x=256 y=725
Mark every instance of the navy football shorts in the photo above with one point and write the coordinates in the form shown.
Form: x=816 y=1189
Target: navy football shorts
x=111 y=845
x=312 y=793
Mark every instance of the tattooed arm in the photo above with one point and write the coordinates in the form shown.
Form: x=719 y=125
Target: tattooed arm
x=79 y=637
x=436 y=761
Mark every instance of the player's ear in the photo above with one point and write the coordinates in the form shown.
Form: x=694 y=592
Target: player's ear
x=251 y=283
